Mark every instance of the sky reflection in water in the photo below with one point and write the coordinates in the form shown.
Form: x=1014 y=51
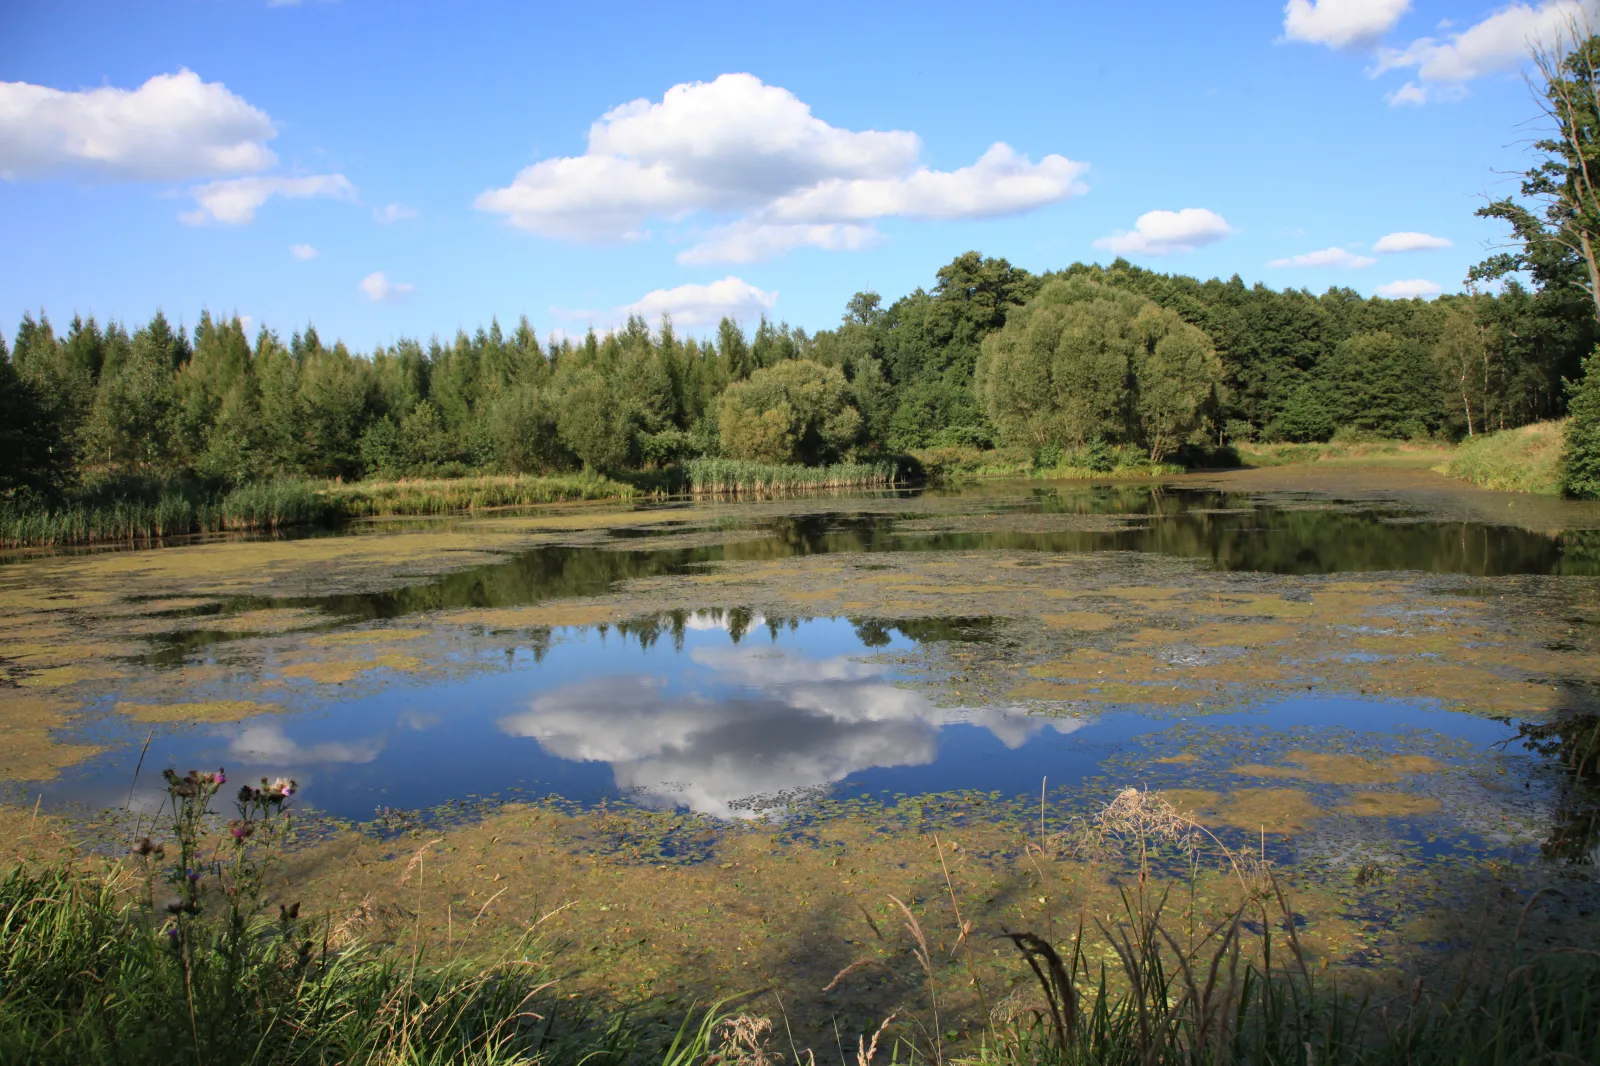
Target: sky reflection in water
x=700 y=727
x=715 y=726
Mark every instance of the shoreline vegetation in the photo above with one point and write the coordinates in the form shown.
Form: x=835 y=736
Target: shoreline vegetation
x=149 y=511
x=1525 y=459
x=191 y=947
x=139 y=510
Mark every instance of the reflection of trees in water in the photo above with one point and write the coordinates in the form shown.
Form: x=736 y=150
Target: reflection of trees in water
x=878 y=632
x=1186 y=524
x=1571 y=742
x=1580 y=551
x=646 y=630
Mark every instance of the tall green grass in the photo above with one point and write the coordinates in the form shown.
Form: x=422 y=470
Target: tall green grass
x=85 y=978
x=1513 y=460
x=358 y=499
x=737 y=477
x=277 y=504
x=143 y=512
x=101 y=517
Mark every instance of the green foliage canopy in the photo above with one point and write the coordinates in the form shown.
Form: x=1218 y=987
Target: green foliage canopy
x=1084 y=360
x=796 y=411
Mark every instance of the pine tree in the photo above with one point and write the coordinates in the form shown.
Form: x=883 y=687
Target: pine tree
x=1581 y=463
x=37 y=459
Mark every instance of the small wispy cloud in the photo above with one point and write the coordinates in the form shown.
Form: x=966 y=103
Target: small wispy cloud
x=1327 y=257
x=377 y=287
x=389 y=214
x=303 y=253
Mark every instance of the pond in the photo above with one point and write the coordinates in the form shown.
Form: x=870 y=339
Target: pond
x=722 y=709
x=1346 y=678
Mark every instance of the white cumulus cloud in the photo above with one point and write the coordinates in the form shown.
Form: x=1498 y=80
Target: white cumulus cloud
x=173 y=127
x=1408 y=241
x=778 y=176
x=1166 y=232
x=1495 y=44
x=1341 y=23
x=378 y=288
x=1408 y=289
x=389 y=214
x=234 y=201
x=1327 y=257
x=692 y=306
x=303 y=252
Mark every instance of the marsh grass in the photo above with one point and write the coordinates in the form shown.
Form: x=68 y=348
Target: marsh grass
x=362 y=499
x=105 y=516
x=736 y=477
x=1513 y=460
x=87 y=979
x=150 y=512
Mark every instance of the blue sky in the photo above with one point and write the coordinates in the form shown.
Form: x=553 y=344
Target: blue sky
x=385 y=169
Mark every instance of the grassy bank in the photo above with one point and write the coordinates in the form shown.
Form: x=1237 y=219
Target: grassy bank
x=1514 y=460
x=735 y=477
x=1346 y=453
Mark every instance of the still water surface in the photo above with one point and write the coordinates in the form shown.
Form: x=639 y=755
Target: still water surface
x=727 y=714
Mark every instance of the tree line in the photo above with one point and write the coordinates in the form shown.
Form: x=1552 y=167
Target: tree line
x=990 y=355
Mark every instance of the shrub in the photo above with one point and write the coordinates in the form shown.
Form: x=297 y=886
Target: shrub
x=795 y=412
x=1580 y=472
x=1050 y=455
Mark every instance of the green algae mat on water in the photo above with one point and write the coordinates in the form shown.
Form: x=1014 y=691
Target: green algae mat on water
x=711 y=740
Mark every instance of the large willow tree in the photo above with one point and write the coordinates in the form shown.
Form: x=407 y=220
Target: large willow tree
x=1083 y=360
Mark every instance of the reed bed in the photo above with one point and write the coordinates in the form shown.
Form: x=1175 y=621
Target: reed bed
x=362 y=499
x=171 y=512
x=736 y=477
x=154 y=514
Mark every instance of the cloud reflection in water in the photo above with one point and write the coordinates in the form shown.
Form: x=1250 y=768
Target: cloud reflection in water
x=789 y=722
